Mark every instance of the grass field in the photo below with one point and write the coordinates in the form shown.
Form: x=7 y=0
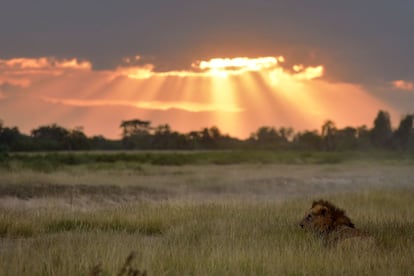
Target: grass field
x=201 y=217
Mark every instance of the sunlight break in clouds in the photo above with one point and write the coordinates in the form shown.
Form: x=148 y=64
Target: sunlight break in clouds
x=235 y=66
x=136 y=72
x=403 y=85
x=238 y=95
x=221 y=67
x=308 y=73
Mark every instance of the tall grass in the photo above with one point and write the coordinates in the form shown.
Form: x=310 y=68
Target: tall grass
x=187 y=214
x=216 y=237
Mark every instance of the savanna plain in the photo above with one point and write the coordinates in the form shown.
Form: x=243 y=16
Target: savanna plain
x=201 y=213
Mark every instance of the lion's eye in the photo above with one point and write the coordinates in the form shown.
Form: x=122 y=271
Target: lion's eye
x=309 y=217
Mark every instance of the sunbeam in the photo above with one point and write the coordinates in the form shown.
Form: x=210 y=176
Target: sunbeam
x=237 y=95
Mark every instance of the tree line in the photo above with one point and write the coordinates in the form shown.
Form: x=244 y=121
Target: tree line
x=142 y=135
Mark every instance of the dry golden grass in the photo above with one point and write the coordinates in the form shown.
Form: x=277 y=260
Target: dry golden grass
x=216 y=237
x=202 y=220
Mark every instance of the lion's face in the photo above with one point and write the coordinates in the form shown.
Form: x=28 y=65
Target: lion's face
x=318 y=219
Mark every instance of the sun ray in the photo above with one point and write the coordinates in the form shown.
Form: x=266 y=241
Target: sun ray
x=297 y=96
x=223 y=94
x=238 y=95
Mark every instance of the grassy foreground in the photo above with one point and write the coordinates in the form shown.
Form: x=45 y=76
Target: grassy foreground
x=211 y=237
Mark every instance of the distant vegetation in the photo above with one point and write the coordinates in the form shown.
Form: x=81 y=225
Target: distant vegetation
x=141 y=135
x=80 y=212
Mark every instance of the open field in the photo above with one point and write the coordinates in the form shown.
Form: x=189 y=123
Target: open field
x=202 y=218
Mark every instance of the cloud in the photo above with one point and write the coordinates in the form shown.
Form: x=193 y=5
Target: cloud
x=403 y=85
x=24 y=71
x=136 y=72
x=308 y=73
x=150 y=105
x=221 y=67
x=42 y=63
x=235 y=66
x=19 y=81
x=374 y=43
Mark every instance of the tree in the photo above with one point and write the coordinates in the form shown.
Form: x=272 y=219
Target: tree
x=101 y=143
x=381 y=133
x=346 y=138
x=286 y=134
x=363 y=135
x=194 y=138
x=165 y=138
x=135 y=127
x=210 y=137
x=51 y=132
x=404 y=133
x=328 y=135
x=9 y=138
x=51 y=137
x=309 y=140
x=136 y=134
x=270 y=137
x=267 y=135
x=77 y=140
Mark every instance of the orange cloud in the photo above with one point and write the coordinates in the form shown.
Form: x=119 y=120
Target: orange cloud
x=23 y=71
x=308 y=73
x=151 y=105
x=222 y=67
x=235 y=66
x=42 y=63
x=136 y=72
x=403 y=85
x=14 y=80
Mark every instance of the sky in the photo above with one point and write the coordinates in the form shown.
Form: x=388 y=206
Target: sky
x=234 y=64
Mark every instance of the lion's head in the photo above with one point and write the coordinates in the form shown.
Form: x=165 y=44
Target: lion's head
x=324 y=217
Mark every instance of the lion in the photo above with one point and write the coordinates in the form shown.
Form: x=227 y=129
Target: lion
x=333 y=226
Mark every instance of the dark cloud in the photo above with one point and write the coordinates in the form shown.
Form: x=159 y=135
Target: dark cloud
x=358 y=41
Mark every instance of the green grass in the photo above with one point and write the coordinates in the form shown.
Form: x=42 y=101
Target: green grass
x=48 y=162
x=213 y=237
